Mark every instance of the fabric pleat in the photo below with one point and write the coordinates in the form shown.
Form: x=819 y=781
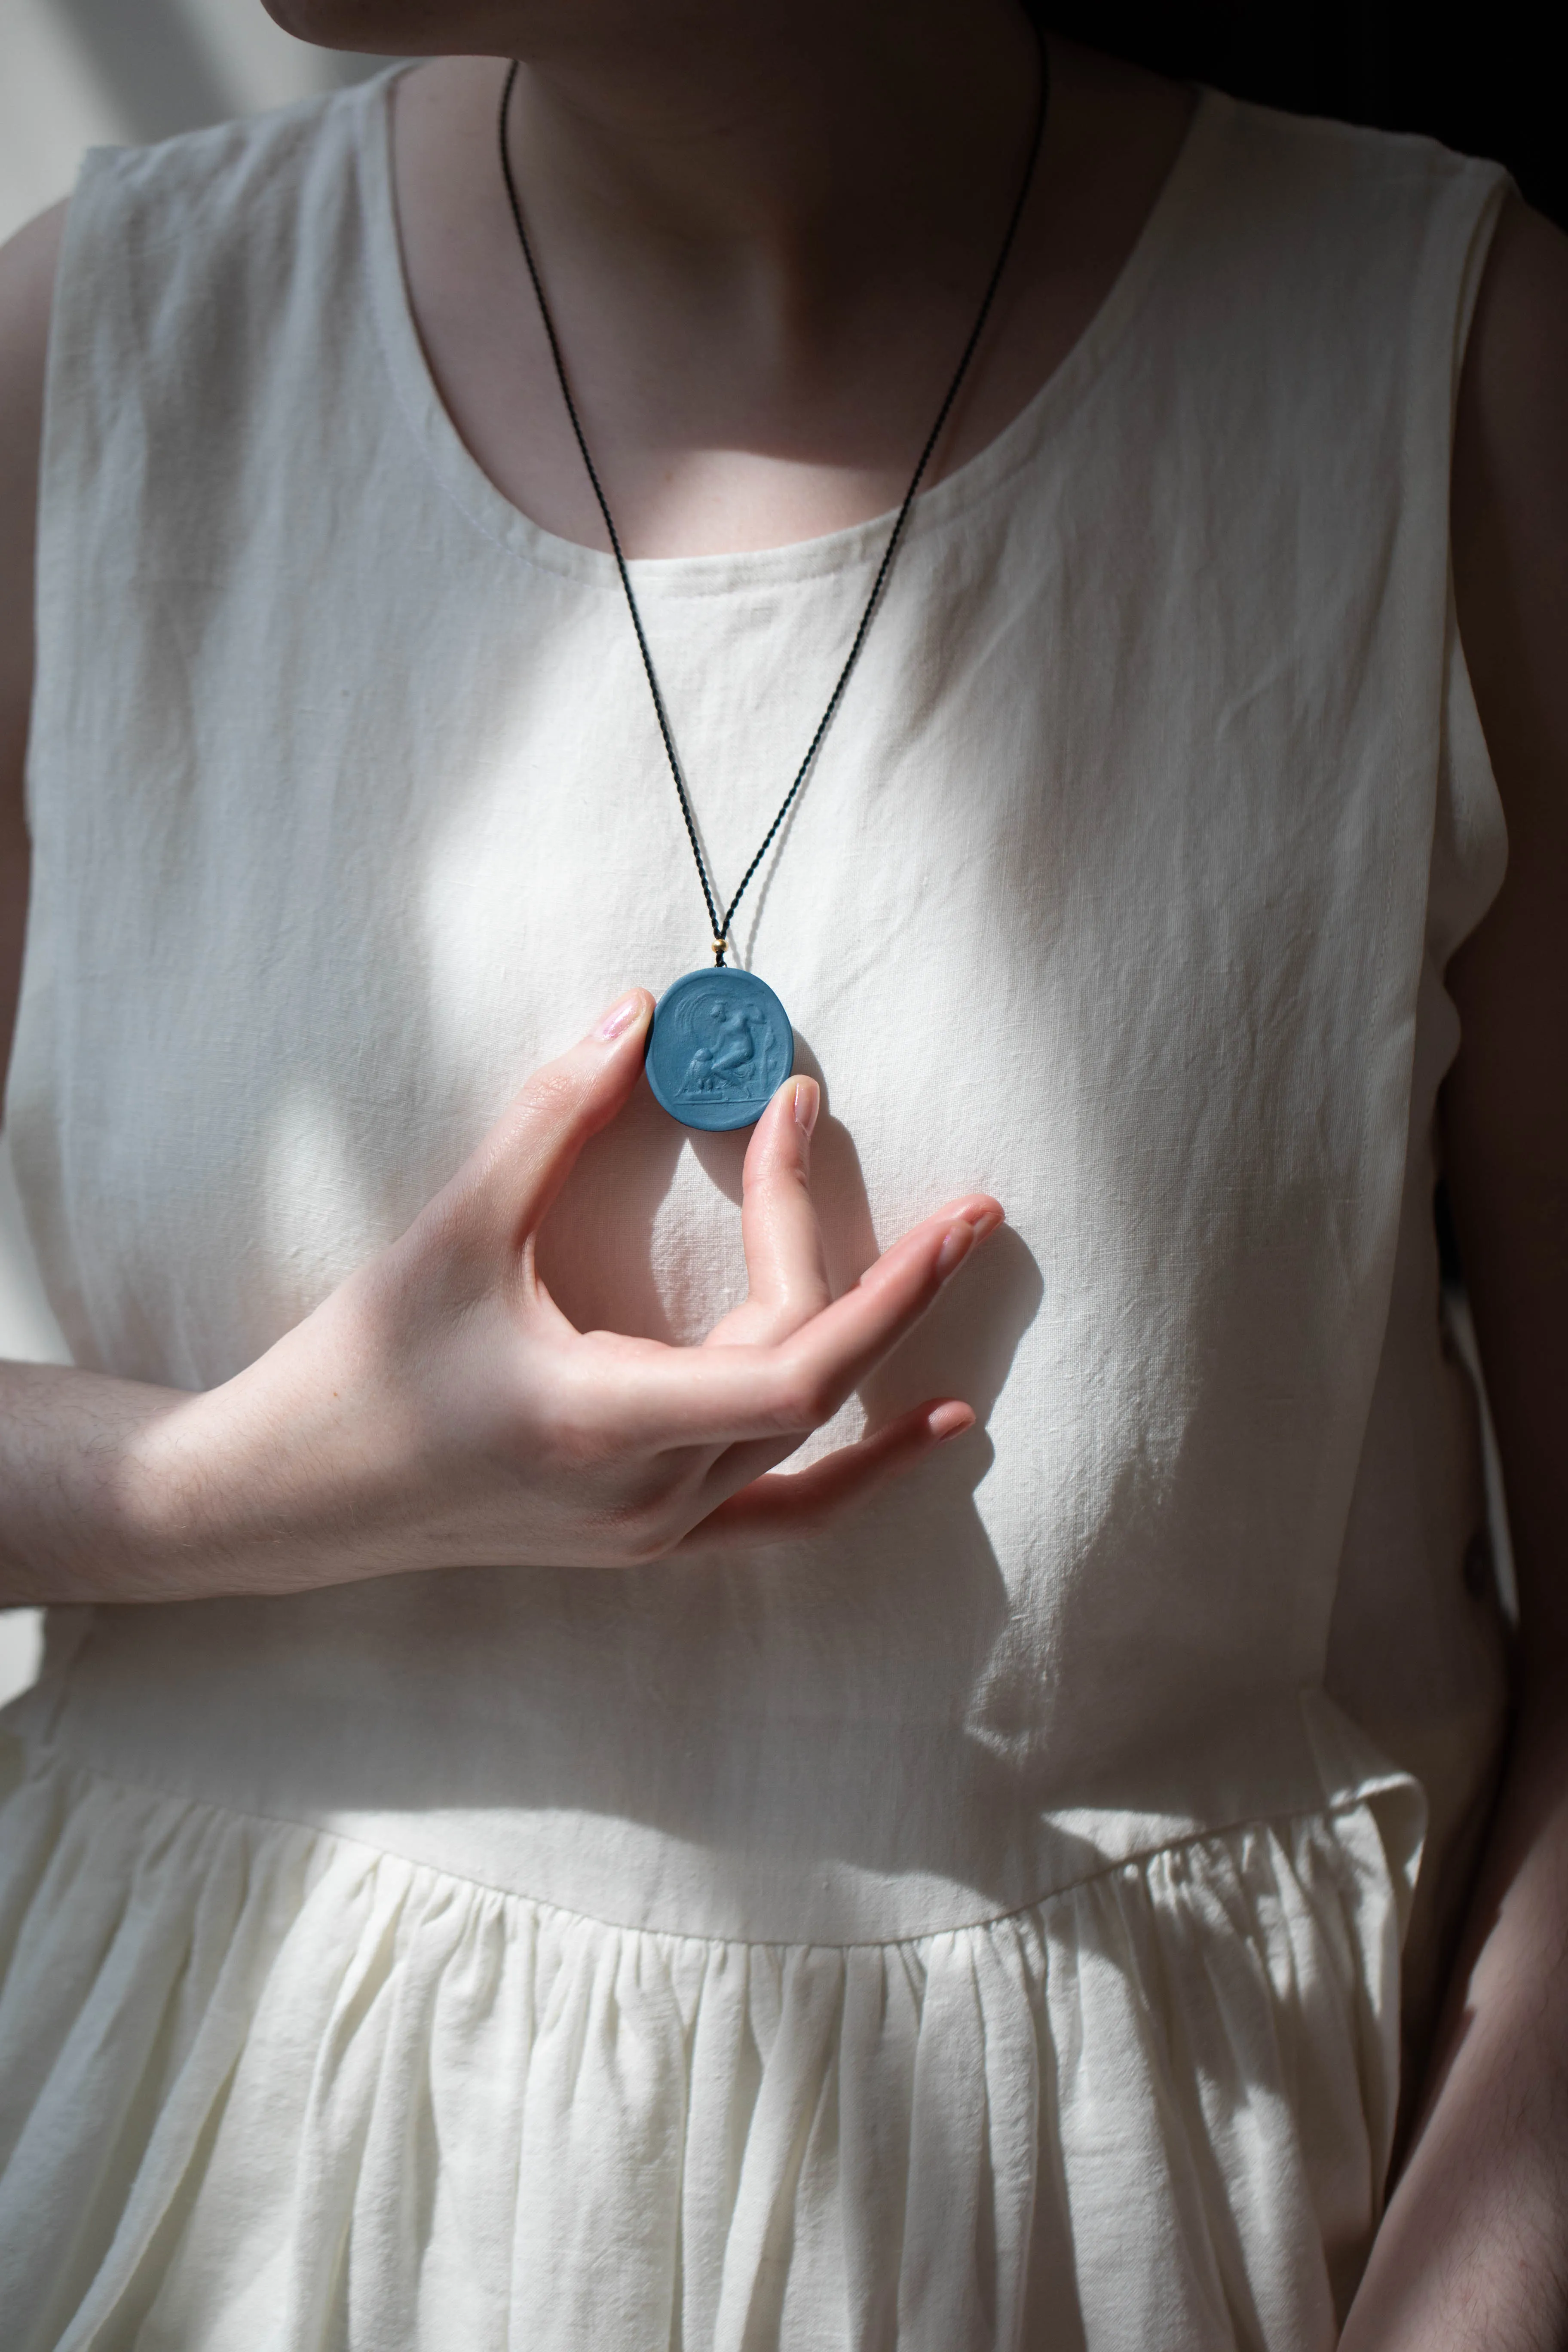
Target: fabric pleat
x=271 y=2090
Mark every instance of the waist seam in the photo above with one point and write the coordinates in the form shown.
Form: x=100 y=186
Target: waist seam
x=48 y=1756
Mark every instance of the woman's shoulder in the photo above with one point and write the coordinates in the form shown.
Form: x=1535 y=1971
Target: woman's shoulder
x=250 y=153
x=1351 y=153
x=1307 y=240
x=1359 y=197
x=210 y=265
x=205 y=198
x=1278 y=234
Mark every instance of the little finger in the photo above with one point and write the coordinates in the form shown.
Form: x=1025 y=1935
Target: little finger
x=782 y=1506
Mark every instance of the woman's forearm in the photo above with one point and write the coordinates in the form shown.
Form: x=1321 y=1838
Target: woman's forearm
x=89 y=1508
x=1473 y=2253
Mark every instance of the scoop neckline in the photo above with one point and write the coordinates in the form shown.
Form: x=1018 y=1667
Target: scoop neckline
x=490 y=512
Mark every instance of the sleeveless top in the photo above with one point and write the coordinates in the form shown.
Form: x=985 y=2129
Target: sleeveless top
x=977 y=1926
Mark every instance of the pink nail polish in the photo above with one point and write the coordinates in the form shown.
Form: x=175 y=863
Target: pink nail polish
x=620 y=1017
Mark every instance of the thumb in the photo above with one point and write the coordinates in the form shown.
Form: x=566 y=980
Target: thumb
x=522 y=1164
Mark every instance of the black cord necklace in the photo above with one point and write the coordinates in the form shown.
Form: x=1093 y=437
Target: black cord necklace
x=720 y=1042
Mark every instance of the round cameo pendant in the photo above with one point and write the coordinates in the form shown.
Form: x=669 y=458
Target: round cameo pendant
x=719 y=1044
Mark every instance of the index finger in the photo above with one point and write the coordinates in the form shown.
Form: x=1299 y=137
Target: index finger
x=502 y=1190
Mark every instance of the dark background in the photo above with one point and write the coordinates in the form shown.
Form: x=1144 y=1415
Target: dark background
x=1486 y=82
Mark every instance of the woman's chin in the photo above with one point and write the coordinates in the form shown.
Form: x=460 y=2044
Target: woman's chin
x=395 y=28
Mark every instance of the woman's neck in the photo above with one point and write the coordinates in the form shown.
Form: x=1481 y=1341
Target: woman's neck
x=763 y=263
x=767 y=163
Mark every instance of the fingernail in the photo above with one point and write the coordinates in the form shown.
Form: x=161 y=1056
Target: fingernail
x=950 y=1420
x=986 y=1223
x=619 y=1018
x=956 y=1244
x=808 y=1102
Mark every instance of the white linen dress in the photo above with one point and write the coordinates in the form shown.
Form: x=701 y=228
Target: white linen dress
x=977 y=1926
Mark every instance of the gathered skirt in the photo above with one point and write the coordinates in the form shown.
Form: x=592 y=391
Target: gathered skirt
x=265 y=2088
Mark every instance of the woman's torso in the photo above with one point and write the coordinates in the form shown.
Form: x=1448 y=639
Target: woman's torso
x=1109 y=893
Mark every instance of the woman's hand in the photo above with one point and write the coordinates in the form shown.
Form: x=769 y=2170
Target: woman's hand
x=439 y=1409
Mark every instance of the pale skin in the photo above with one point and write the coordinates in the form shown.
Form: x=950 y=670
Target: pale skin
x=763 y=230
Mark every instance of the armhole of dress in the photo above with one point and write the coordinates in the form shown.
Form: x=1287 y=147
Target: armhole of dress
x=1470 y=840
x=1470 y=836
x=72 y=329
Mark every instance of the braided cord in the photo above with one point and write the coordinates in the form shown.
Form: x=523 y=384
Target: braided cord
x=721 y=926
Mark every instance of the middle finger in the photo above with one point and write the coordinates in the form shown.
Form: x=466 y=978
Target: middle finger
x=785 y=1264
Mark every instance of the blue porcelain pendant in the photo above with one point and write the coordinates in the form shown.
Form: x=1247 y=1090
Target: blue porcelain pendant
x=720 y=1046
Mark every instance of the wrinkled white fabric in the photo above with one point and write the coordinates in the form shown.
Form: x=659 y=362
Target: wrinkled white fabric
x=403 y=2108
x=977 y=1926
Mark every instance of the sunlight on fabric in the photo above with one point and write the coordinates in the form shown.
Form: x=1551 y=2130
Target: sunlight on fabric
x=77 y=73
